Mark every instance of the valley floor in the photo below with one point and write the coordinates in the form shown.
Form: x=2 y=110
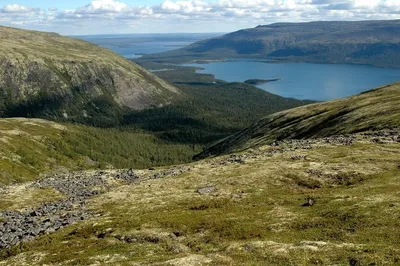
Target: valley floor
x=331 y=201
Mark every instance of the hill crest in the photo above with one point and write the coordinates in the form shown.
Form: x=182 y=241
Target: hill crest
x=372 y=110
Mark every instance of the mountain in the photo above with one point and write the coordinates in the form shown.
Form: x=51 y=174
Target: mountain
x=48 y=75
x=360 y=42
x=372 y=110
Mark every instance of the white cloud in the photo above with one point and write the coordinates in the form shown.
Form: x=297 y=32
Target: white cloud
x=17 y=9
x=103 y=6
x=170 y=6
x=367 y=3
x=184 y=15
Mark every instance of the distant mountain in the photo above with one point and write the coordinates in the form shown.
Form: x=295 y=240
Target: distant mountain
x=373 y=110
x=48 y=75
x=361 y=42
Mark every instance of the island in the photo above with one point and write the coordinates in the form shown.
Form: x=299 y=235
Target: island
x=260 y=81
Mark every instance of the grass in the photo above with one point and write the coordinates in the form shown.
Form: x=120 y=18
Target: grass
x=33 y=147
x=254 y=217
x=22 y=196
x=354 y=114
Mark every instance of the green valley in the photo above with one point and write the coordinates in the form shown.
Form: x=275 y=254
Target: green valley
x=109 y=161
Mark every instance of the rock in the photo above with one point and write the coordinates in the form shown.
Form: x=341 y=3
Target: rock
x=313 y=243
x=52 y=216
x=299 y=157
x=78 y=187
x=310 y=202
x=50 y=230
x=206 y=190
x=104 y=233
x=34 y=214
x=128 y=176
x=354 y=262
x=131 y=239
x=177 y=234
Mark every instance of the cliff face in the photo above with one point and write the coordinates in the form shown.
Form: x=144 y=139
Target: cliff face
x=47 y=74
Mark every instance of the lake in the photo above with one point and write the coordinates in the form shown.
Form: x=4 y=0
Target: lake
x=304 y=80
x=134 y=45
x=298 y=80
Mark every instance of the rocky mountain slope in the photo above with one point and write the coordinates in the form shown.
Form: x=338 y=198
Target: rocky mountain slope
x=48 y=75
x=330 y=201
x=361 y=42
x=372 y=110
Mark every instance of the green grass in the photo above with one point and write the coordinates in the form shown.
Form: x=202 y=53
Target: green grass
x=20 y=197
x=373 y=110
x=255 y=216
x=31 y=147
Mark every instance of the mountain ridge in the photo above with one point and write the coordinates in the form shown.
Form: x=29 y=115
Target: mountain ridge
x=357 y=42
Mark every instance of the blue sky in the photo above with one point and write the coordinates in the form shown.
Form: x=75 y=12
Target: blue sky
x=154 y=16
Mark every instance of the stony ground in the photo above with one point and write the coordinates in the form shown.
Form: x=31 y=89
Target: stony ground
x=24 y=225
x=331 y=201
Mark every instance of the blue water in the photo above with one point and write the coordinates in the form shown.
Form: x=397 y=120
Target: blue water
x=134 y=45
x=298 y=80
x=304 y=80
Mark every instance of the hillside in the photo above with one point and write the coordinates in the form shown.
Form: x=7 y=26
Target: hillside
x=328 y=201
x=361 y=42
x=31 y=148
x=210 y=109
x=48 y=75
x=160 y=136
x=169 y=134
x=372 y=110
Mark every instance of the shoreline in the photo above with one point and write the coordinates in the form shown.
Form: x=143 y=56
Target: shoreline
x=264 y=60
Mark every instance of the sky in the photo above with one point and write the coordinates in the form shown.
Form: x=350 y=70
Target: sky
x=78 y=17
